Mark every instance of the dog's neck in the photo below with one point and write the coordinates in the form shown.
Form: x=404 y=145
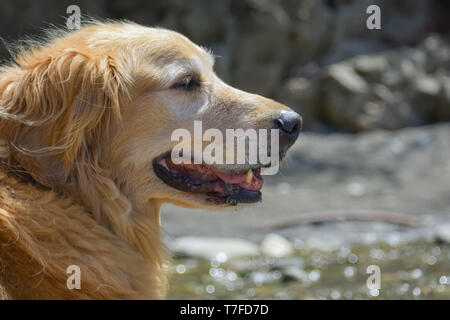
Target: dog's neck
x=138 y=227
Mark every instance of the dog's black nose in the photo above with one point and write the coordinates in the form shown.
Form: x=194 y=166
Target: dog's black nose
x=289 y=123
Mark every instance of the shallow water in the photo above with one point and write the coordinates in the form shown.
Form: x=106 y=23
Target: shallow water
x=419 y=270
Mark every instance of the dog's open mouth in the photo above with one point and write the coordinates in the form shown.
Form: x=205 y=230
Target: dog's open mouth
x=219 y=186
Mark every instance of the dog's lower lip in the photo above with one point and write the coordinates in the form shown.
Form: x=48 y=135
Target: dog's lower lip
x=219 y=187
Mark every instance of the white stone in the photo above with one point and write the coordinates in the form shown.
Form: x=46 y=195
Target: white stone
x=276 y=246
x=212 y=248
x=348 y=78
x=443 y=232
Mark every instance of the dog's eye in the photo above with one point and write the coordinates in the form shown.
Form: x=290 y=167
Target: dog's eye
x=187 y=83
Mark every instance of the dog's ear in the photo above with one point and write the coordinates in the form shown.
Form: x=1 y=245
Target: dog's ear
x=55 y=106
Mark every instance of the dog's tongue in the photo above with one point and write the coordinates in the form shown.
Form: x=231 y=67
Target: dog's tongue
x=240 y=179
x=231 y=178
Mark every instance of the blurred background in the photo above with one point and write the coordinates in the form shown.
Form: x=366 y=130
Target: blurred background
x=368 y=181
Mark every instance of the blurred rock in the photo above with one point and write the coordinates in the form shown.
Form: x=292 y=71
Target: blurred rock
x=211 y=248
x=295 y=273
x=443 y=232
x=276 y=246
x=293 y=261
x=323 y=244
x=301 y=94
x=316 y=56
x=389 y=90
x=346 y=79
x=257 y=32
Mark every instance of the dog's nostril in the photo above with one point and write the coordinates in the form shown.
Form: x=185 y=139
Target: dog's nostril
x=289 y=122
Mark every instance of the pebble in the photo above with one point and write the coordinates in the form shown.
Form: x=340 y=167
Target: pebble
x=214 y=248
x=443 y=232
x=276 y=246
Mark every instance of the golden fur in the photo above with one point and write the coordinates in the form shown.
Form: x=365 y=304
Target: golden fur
x=82 y=116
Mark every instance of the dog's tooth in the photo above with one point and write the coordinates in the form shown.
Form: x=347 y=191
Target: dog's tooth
x=249 y=177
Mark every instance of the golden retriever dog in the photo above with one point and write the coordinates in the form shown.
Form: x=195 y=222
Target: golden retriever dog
x=85 y=135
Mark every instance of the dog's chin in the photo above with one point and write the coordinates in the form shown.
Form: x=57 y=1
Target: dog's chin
x=209 y=186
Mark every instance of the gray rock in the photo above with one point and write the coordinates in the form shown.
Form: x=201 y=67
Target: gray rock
x=301 y=94
x=322 y=244
x=443 y=232
x=276 y=246
x=389 y=90
x=347 y=79
x=214 y=248
x=296 y=274
x=261 y=43
x=426 y=85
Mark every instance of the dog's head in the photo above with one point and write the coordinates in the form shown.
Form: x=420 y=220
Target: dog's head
x=111 y=96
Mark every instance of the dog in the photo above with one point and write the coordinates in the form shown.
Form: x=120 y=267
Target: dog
x=85 y=139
